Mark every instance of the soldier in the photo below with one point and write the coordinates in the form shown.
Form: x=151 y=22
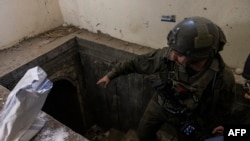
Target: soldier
x=246 y=75
x=196 y=90
x=240 y=111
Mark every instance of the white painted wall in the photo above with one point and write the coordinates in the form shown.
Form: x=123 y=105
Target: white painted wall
x=26 y=18
x=139 y=21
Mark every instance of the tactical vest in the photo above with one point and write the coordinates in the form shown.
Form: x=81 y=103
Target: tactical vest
x=188 y=89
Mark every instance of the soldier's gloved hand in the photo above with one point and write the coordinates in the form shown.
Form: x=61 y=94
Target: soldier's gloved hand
x=219 y=130
x=247 y=96
x=104 y=81
x=247 y=93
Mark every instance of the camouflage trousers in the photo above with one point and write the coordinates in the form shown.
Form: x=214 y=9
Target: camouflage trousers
x=154 y=117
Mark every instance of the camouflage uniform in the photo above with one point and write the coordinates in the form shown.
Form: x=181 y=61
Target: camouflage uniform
x=209 y=93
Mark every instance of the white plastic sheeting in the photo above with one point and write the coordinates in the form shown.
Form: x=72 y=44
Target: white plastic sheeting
x=23 y=105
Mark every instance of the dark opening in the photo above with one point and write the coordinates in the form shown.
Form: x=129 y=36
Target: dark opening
x=62 y=104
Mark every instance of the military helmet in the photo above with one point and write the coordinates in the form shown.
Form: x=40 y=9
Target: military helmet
x=246 y=71
x=197 y=38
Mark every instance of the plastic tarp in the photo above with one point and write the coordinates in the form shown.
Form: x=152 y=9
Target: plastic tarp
x=23 y=104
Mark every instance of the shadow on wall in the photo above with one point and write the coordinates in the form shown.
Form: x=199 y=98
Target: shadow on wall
x=62 y=104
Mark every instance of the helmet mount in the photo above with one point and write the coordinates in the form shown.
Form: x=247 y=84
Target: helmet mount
x=197 y=38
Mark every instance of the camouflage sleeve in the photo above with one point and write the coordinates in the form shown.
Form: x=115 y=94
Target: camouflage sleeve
x=143 y=64
x=223 y=98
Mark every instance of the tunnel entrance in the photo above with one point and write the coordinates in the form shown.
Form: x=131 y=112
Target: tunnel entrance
x=62 y=104
x=83 y=104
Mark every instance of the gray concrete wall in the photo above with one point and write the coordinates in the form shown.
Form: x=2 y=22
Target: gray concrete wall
x=140 y=21
x=26 y=18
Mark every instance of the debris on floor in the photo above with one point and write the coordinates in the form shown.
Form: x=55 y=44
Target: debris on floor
x=59 y=32
x=95 y=133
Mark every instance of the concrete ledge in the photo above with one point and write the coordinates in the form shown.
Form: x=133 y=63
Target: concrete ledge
x=52 y=130
x=28 y=50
